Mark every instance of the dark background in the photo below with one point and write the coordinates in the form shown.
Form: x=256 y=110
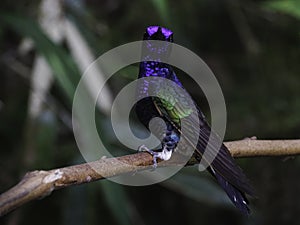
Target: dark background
x=253 y=48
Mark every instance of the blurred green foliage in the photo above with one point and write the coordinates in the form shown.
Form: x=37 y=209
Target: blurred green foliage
x=253 y=47
x=291 y=7
x=59 y=60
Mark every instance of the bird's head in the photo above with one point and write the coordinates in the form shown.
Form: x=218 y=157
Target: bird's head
x=158 y=33
x=157 y=44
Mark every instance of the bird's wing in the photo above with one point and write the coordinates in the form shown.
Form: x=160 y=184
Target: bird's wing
x=223 y=163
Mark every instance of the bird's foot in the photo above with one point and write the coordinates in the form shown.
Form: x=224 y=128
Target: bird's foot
x=165 y=154
x=154 y=154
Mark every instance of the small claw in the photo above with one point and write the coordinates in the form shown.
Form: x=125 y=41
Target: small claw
x=143 y=148
x=154 y=154
x=155 y=161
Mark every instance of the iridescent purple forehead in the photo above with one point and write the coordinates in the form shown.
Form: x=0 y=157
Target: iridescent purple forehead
x=153 y=29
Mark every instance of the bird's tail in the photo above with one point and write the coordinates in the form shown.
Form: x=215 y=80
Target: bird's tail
x=236 y=196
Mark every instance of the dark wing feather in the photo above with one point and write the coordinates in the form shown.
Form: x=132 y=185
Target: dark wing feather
x=236 y=196
x=223 y=164
x=228 y=174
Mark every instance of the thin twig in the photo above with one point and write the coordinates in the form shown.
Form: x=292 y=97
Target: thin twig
x=254 y=148
x=38 y=184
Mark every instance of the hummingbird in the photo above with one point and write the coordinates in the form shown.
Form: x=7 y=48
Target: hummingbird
x=223 y=167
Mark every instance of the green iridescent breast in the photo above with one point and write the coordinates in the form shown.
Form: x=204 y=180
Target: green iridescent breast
x=175 y=105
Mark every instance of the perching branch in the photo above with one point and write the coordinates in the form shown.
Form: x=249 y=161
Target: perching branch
x=38 y=184
x=254 y=148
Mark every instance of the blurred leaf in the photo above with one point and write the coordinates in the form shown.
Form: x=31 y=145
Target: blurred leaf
x=130 y=73
x=163 y=9
x=75 y=206
x=291 y=7
x=197 y=188
x=117 y=201
x=45 y=138
x=59 y=60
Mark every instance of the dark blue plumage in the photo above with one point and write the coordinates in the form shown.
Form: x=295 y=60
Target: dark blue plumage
x=227 y=173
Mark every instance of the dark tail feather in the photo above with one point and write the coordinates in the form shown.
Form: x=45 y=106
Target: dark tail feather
x=237 y=197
